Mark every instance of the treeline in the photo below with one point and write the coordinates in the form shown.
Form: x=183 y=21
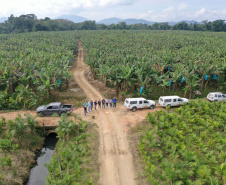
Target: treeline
x=30 y=23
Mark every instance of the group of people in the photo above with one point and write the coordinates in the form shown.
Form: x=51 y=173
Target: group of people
x=104 y=103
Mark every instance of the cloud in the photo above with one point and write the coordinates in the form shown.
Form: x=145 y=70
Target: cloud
x=168 y=10
x=115 y=2
x=200 y=12
x=211 y=15
x=52 y=7
x=177 y=14
x=182 y=6
x=152 y=10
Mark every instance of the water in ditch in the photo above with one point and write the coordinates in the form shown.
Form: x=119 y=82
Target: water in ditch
x=39 y=172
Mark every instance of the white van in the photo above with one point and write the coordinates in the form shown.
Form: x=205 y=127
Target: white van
x=216 y=96
x=138 y=103
x=172 y=101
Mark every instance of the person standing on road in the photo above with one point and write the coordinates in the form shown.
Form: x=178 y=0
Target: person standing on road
x=103 y=103
x=85 y=108
x=89 y=106
x=114 y=100
x=110 y=102
x=99 y=104
x=106 y=101
x=95 y=103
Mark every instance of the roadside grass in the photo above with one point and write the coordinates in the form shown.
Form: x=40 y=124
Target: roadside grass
x=91 y=164
x=134 y=135
x=17 y=156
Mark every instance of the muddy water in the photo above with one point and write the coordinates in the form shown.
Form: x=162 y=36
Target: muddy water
x=39 y=172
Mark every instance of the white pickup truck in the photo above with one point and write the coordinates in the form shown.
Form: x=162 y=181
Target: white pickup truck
x=138 y=103
x=172 y=101
x=216 y=96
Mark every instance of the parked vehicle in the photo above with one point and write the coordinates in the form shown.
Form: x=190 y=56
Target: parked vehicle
x=216 y=96
x=172 y=101
x=55 y=107
x=138 y=103
x=224 y=96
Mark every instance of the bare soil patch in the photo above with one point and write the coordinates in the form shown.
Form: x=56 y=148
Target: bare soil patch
x=99 y=85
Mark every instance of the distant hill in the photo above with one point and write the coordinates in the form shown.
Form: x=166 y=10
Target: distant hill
x=3 y=19
x=73 y=18
x=188 y=22
x=137 y=21
x=115 y=20
x=172 y=23
x=109 y=21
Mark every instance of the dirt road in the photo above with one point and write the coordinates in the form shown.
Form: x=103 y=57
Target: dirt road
x=116 y=165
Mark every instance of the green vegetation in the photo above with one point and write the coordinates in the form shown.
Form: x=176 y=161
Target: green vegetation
x=19 y=139
x=174 y=60
x=187 y=145
x=34 y=67
x=75 y=160
x=30 y=23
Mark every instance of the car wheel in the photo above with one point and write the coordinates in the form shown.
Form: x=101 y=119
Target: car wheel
x=215 y=100
x=41 y=114
x=63 y=113
x=152 y=107
x=168 y=106
x=134 y=109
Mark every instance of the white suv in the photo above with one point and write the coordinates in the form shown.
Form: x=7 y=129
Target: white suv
x=138 y=103
x=172 y=101
x=216 y=96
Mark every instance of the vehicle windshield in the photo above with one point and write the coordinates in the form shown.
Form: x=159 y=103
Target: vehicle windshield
x=161 y=99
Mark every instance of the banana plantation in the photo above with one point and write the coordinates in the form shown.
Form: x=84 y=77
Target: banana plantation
x=71 y=162
x=187 y=146
x=128 y=60
x=34 y=66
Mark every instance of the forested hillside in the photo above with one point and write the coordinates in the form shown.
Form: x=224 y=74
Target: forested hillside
x=30 y=23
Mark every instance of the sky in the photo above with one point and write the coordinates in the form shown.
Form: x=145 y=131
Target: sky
x=151 y=10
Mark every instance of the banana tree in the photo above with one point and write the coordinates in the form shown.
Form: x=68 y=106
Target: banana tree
x=31 y=122
x=26 y=96
x=164 y=84
x=203 y=69
x=143 y=76
x=65 y=127
x=116 y=77
x=45 y=84
x=17 y=127
x=192 y=83
x=128 y=76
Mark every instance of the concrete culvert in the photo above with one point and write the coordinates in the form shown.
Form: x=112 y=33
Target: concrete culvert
x=52 y=133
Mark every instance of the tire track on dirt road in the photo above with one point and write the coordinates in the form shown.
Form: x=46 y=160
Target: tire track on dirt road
x=116 y=164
